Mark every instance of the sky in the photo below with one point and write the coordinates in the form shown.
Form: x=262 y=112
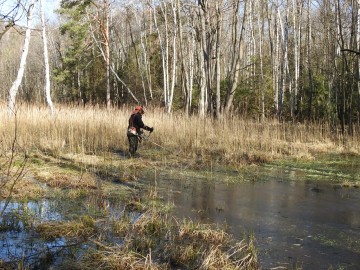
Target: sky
x=49 y=7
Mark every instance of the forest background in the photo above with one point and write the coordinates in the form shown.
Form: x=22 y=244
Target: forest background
x=296 y=60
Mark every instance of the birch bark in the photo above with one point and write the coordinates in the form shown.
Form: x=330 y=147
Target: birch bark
x=235 y=66
x=218 y=69
x=262 y=81
x=46 y=60
x=202 y=57
x=174 y=59
x=15 y=87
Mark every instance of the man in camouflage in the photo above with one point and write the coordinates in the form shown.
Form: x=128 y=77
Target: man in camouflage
x=135 y=129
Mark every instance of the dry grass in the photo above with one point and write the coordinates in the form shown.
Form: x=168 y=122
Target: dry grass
x=156 y=241
x=82 y=228
x=26 y=188
x=95 y=131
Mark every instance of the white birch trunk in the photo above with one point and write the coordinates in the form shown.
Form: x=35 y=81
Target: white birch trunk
x=202 y=67
x=174 y=59
x=106 y=35
x=46 y=61
x=252 y=47
x=15 y=87
x=166 y=58
x=262 y=86
x=297 y=31
x=218 y=69
x=276 y=63
x=235 y=65
x=284 y=31
x=309 y=60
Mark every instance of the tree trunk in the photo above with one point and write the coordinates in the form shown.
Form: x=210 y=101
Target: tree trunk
x=15 y=87
x=235 y=62
x=284 y=31
x=174 y=59
x=309 y=63
x=46 y=60
x=262 y=81
x=107 y=52
x=297 y=12
x=218 y=70
x=138 y=67
x=202 y=9
x=164 y=54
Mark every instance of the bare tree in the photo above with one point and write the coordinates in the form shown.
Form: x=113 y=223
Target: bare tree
x=284 y=64
x=310 y=72
x=218 y=54
x=186 y=52
x=10 y=14
x=237 y=46
x=164 y=36
x=46 y=60
x=260 y=22
x=14 y=88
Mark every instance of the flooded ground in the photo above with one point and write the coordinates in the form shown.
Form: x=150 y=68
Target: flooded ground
x=299 y=220
x=19 y=242
x=304 y=223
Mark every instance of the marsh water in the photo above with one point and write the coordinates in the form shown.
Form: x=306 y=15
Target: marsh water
x=298 y=222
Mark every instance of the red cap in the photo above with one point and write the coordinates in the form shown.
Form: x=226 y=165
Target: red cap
x=138 y=108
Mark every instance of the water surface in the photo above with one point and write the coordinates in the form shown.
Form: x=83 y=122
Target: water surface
x=296 y=223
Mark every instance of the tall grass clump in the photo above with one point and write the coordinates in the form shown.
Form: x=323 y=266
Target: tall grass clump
x=157 y=241
x=95 y=130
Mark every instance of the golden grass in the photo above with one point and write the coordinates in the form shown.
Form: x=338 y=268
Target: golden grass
x=157 y=241
x=94 y=131
x=84 y=227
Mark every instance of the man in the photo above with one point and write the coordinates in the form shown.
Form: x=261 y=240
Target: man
x=134 y=129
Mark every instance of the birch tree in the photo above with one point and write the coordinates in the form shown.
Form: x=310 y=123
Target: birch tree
x=262 y=80
x=186 y=52
x=310 y=72
x=15 y=87
x=202 y=55
x=284 y=65
x=297 y=12
x=169 y=69
x=46 y=60
x=218 y=53
x=143 y=65
x=237 y=46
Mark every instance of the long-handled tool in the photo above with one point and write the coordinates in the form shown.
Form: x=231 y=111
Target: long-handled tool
x=147 y=138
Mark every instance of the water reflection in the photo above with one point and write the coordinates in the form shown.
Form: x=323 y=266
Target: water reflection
x=296 y=223
x=19 y=241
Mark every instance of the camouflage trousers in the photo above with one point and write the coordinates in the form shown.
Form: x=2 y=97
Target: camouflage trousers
x=133 y=144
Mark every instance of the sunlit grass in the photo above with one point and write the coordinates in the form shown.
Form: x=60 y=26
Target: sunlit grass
x=203 y=141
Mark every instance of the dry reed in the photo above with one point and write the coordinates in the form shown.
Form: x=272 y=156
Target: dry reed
x=96 y=131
